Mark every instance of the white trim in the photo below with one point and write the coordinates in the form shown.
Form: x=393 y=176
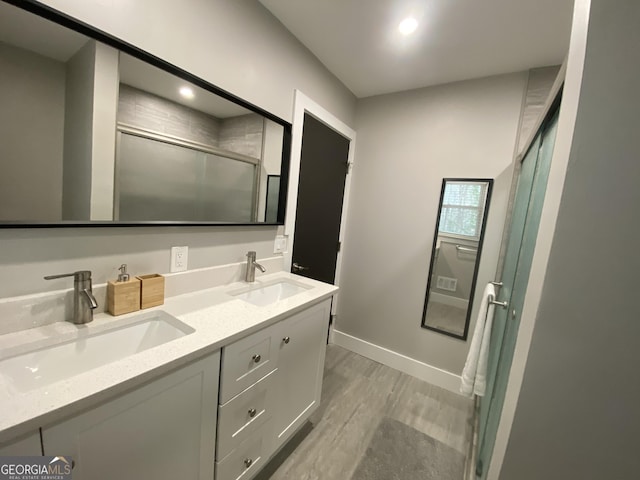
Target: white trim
x=449 y=300
x=301 y=105
x=574 y=67
x=332 y=334
x=428 y=373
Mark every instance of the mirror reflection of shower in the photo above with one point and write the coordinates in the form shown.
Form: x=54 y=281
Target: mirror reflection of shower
x=455 y=255
x=113 y=137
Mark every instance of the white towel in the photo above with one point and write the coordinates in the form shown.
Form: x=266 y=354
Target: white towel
x=474 y=374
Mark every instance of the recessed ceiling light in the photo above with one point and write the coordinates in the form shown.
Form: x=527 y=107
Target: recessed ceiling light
x=408 y=26
x=186 y=92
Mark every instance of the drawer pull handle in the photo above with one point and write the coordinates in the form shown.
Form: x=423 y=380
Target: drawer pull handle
x=286 y=340
x=247 y=462
x=252 y=412
x=257 y=358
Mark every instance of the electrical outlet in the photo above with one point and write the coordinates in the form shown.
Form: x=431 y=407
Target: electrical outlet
x=280 y=245
x=179 y=259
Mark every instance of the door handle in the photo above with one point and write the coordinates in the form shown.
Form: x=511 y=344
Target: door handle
x=299 y=268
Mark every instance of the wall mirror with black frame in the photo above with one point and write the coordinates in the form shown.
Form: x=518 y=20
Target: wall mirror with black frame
x=455 y=255
x=96 y=132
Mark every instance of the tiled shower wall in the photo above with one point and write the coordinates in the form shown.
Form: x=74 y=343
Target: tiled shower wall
x=241 y=134
x=145 y=110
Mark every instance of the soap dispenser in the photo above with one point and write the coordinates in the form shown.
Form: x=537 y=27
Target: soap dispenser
x=123 y=295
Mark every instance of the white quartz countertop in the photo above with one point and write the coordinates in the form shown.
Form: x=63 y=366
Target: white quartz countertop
x=217 y=317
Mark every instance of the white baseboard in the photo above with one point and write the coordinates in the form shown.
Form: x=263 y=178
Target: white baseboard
x=415 y=368
x=449 y=300
x=332 y=334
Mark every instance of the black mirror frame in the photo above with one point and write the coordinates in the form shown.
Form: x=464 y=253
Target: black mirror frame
x=64 y=20
x=478 y=256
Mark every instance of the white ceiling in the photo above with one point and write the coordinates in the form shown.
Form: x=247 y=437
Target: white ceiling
x=33 y=33
x=151 y=79
x=30 y=32
x=359 y=42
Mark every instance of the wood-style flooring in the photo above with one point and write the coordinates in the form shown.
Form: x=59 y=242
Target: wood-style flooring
x=356 y=394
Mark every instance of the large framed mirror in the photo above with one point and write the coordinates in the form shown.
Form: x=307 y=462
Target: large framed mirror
x=455 y=256
x=95 y=132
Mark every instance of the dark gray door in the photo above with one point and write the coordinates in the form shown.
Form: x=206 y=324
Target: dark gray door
x=323 y=171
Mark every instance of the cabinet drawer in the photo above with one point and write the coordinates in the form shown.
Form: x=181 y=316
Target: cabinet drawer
x=247 y=361
x=248 y=458
x=244 y=414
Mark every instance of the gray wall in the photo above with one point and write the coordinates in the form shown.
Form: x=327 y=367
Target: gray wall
x=577 y=414
x=27 y=255
x=89 y=133
x=103 y=141
x=407 y=143
x=271 y=161
x=32 y=101
x=238 y=46
x=78 y=134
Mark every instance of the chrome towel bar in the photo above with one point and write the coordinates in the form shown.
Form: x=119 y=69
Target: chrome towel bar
x=493 y=301
x=500 y=304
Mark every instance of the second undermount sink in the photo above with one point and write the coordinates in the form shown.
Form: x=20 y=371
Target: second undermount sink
x=45 y=365
x=262 y=295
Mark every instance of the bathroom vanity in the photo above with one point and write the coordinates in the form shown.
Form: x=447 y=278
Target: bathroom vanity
x=216 y=380
x=242 y=376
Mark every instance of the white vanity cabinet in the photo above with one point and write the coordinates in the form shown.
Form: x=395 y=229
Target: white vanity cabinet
x=270 y=384
x=28 y=445
x=225 y=414
x=162 y=430
x=303 y=344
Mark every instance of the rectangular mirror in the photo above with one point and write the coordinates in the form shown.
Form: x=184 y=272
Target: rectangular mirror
x=96 y=132
x=455 y=256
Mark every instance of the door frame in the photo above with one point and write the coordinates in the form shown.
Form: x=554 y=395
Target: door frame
x=303 y=104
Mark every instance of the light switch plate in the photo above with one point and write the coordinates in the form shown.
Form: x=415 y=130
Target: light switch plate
x=280 y=244
x=179 y=259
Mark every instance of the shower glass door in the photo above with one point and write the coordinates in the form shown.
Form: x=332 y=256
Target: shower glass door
x=157 y=180
x=525 y=220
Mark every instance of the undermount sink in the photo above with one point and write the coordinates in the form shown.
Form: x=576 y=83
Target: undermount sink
x=262 y=295
x=46 y=365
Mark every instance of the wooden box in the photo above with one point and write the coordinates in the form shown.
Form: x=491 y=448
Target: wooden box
x=152 y=291
x=123 y=297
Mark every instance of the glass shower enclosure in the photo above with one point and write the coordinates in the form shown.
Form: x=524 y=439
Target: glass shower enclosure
x=158 y=179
